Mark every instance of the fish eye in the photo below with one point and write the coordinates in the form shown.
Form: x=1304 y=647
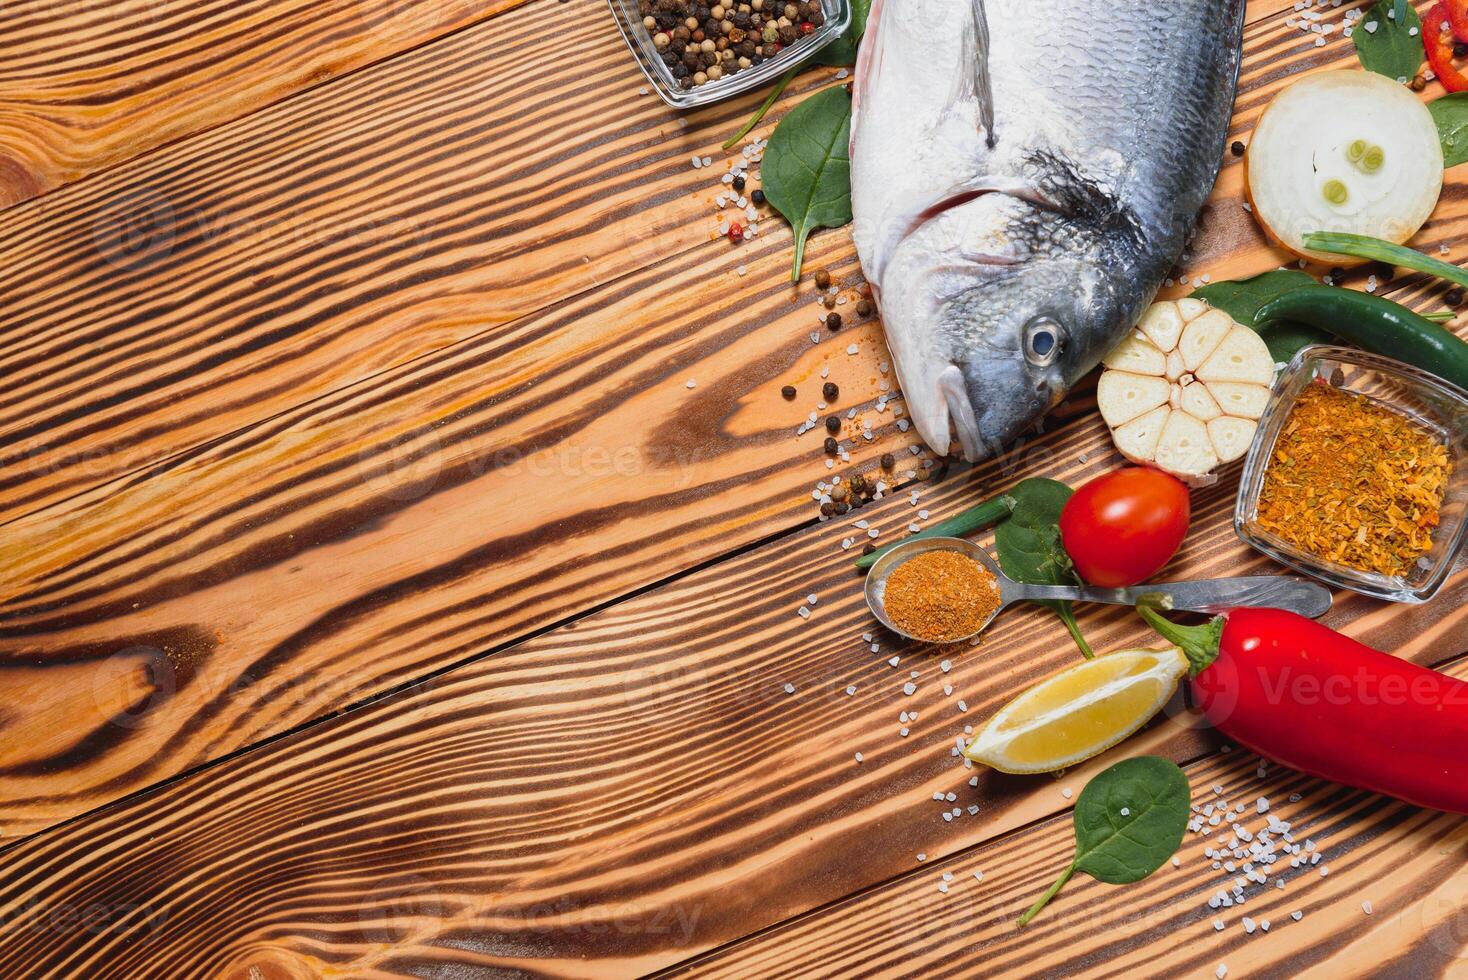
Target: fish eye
x=1043 y=338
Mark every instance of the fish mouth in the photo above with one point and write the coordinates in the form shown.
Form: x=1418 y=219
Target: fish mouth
x=962 y=423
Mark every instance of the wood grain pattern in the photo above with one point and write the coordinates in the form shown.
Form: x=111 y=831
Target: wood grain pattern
x=396 y=527
x=85 y=86
x=611 y=797
x=159 y=621
x=1411 y=865
x=615 y=795
x=178 y=298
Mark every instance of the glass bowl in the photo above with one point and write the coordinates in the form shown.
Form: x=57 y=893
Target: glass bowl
x=837 y=17
x=1436 y=405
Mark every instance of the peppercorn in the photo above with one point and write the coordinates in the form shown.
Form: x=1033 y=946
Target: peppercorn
x=839 y=492
x=830 y=392
x=828 y=301
x=833 y=321
x=827 y=509
x=842 y=508
x=887 y=461
x=823 y=279
x=757 y=196
x=868 y=548
x=1460 y=50
x=788 y=392
x=1418 y=83
x=1454 y=298
x=858 y=483
x=864 y=307
x=833 y=424
x=736 y=233
x=1337 y=274
x=832 y=446
x=1238 y=148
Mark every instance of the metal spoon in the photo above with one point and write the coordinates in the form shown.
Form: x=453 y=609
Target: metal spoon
x=1289 y=592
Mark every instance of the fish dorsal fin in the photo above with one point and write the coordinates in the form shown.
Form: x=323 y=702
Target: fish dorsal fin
x=973 y=81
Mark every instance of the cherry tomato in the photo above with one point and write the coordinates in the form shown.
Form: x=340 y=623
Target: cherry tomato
x=1121 y=528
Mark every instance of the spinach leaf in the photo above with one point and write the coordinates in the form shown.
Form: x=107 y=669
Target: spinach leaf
x=842 y=51
x=1243 y=299
x=1394 y=46
x=1128 y=821
x=807 y=167
x=1451 y=115
x=1029 y=545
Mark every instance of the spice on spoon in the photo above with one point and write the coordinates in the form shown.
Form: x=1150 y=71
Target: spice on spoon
x=940 y=596
x=1354 y=483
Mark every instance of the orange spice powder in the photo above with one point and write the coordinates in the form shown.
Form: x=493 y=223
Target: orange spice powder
x=1354 y=483
x=940 y=595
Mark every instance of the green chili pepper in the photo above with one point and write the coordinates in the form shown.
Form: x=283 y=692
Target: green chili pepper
x=977 y=518
x=1374 y=324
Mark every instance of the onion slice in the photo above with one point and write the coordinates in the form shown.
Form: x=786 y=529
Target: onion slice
x=1348 y=151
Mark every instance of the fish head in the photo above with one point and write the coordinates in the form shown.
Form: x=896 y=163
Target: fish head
x=993 y=310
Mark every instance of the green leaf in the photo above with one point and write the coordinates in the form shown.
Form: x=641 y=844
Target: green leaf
x=1451 y=115
x=1029 y=546
x=1128 y=821
x=807 y=167
x=1394 y=48
x=1242 y=299
x=842 y=51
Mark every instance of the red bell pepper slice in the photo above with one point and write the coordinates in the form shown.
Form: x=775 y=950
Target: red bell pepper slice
x=1458 y=16
x=1437 y=38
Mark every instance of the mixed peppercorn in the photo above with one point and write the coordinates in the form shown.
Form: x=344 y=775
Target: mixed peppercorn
x=702 y=42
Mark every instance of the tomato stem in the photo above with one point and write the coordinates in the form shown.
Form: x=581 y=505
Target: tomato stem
x=1069 y=619
x=1198 y=643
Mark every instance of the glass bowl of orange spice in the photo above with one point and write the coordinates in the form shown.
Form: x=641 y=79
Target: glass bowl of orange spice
x=1358 y=474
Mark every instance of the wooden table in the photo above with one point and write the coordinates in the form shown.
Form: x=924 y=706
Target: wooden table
x=402 y=535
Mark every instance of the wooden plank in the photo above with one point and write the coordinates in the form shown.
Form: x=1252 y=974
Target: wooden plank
x=183 y=296
x=399 y=526
x=1410 y=864
x=84 y=87
x=610 y=797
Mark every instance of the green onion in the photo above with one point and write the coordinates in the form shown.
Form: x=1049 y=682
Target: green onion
x=1373 y=160
x=1334 y=191
x=764 y=108
x=1356 y=151
x=1443 y=317
x=1366 y=247
x=977 y=518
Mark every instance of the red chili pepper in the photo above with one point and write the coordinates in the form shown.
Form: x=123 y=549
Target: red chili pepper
x=1437 y=38
x=1318 y=702
x=736 y=233
x=807 y=27
x=1457 y=11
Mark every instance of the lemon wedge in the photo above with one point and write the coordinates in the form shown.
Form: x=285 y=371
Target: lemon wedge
x=1080 y=712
